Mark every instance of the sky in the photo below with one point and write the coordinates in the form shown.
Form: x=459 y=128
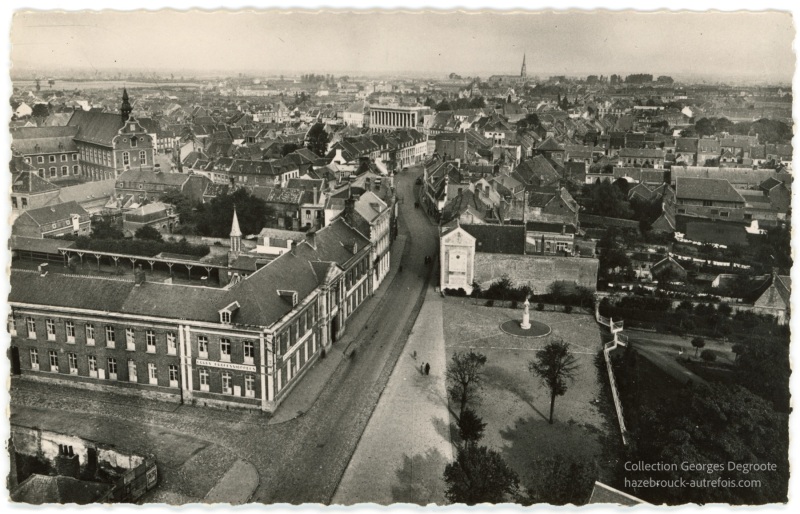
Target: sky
x=430 y=43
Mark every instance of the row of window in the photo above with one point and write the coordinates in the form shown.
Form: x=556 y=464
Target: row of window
x=96 y=156
x=54 y=171
x=52 y=158
x=225 y=344
x=126 y=158
x=110 y=369
x=297 y=329
x=227 y=383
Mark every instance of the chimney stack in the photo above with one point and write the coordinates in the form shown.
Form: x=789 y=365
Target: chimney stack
x=316 y=195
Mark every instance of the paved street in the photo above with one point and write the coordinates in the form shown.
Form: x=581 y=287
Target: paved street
x=413 y=415
x=301 y=460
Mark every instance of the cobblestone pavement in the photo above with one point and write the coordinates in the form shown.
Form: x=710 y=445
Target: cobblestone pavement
x=301 y=460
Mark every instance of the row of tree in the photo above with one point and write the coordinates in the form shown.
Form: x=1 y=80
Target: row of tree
x=674 y=424
x=479 y=474
x=768 y=131
x=477 y=102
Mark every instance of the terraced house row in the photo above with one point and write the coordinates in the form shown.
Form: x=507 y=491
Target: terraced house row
x=247 y=344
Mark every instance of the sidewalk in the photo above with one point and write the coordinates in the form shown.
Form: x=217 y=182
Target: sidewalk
x=404 y=449
x=301 y=399
x=236 y=486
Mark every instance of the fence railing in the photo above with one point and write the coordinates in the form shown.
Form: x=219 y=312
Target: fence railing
x=619 y=340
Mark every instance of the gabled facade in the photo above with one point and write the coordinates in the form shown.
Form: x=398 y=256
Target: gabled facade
x=457 y=258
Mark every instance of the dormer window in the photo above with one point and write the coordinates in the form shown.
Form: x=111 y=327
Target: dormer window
x=290 y=296
x=226 y=314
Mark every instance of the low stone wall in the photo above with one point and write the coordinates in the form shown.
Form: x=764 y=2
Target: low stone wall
x=537 y=271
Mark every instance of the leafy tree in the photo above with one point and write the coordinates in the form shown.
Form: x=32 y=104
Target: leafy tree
x=106 y=228
x=708 y=424
x=318 y=139
x=182 y=204
x=555 y=366
x=698 y=343
x=561 y=482
x=215 y=217
x=708 y=355
x=470 y=427
x=288 y=148
x=764 y=368
x=148 y=233
x=465 y=378
x=479 y=475
x=605 y=199
x=40 y=110
x=477 y=103
x=444 y=105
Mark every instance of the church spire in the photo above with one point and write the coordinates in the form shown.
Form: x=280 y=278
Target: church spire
x=236 y=233
x=125 y=109
x=524 y=72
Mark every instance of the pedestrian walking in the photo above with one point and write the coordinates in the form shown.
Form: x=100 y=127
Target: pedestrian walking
x=422 y=369
x=427 y=368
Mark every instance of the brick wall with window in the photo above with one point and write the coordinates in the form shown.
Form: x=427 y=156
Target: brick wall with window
x=81 y=349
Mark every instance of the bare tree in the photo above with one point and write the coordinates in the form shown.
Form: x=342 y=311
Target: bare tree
x=554 y=365
x=465 y=377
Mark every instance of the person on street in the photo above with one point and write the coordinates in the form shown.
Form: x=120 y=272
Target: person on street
x=427 y=368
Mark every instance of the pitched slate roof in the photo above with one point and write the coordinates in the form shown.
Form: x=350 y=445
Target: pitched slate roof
x=642 y=153
x=504 y=239
x=29 y=182
x=96 y=127
x=87 y=191
x=708 y=145
x=40 y=140
x=549 y=145
x=43 y=489
x=686 y=145
x=706 y=189
x=53 y=213
x=369 y=206
x=536 y=171
x=258 y=293
x=153 y=177
x=716 y=232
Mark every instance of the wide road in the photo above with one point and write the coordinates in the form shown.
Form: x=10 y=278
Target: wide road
x=299 y=461
x=309 y=460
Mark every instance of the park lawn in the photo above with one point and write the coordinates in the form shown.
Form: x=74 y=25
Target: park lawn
x=514 y=404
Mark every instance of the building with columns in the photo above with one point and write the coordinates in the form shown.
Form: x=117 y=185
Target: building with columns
x=387 y=118
x=243 y=345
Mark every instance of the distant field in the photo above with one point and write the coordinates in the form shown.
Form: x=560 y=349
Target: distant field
x=99 y=84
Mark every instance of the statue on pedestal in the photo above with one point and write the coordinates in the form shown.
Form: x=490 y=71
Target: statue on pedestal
x=526 y=316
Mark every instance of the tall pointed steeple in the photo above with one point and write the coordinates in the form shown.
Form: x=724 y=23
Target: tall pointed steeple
x=236 y=233
x=125 y=109
x=524 y=72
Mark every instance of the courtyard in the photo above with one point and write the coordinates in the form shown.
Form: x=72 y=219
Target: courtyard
x=515 y=405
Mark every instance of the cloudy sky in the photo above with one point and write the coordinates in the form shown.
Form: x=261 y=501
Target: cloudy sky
x=697 y=44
